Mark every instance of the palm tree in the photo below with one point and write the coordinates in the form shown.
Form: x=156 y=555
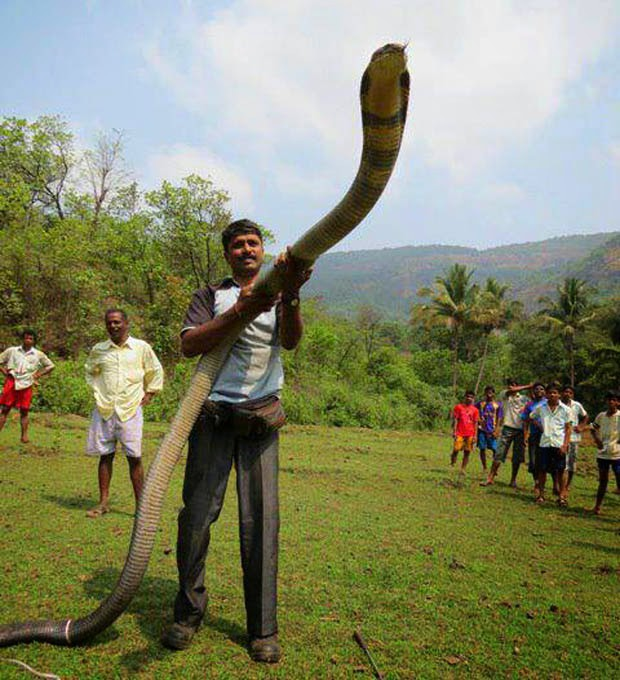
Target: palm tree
x=493 y=312
x=568 y=315
x=453 y=300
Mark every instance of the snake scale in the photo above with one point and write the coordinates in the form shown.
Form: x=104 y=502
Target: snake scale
x=384 y=95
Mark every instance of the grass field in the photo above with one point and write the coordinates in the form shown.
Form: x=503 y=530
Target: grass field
x=443 y=579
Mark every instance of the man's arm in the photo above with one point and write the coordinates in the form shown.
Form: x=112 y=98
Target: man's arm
x=203 y=338
x=584 y=419
x=4 y=359
x=596 y=436
x=294 y=273
x=46 y=365
x=568 y=427
x=153 y=375
x=518 y=388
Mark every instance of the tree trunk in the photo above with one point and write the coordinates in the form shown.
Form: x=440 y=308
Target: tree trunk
x=455 y=366
x=482 y=360
x=571 y=361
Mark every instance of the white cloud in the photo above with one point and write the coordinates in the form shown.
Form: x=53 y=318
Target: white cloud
x=180 y=160
x=282 y=78
x=505 y=192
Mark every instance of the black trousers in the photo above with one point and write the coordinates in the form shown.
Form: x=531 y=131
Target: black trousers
x=212 y=451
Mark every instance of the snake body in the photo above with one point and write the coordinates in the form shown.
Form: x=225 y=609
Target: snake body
x=384 y=95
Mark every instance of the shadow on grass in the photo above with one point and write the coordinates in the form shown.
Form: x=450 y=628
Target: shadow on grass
x=152 y=607
x=80 y=503
x=550 y=503
x=604 y=548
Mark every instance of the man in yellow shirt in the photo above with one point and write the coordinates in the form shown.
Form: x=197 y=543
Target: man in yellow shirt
x=124 y=373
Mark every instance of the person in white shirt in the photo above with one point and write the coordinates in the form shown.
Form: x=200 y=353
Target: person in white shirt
x=579 y=421
x=124 y=373
x=606 y=433
x=22 y=366
x=554 y=419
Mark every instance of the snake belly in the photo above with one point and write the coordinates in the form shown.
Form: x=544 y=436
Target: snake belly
x=384 y=95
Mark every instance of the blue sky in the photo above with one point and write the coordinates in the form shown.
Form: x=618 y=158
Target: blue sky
x=514 y=128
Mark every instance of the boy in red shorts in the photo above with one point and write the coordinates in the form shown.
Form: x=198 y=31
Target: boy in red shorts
x=464 y=427
x=22 y=366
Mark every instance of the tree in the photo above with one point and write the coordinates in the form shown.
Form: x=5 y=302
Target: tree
x=104 y=169
x=36 y=160
x=568 y=315
x=368 y=322
x=453 y=302
x=188 y=222
x=493 y=311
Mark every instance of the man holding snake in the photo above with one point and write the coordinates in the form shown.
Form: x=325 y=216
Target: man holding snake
x=238 y=424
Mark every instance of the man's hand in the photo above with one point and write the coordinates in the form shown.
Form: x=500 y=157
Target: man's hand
x=293 y=272
x=251 y=304
x=563 y=449
x=4 y=371
x=146 y=399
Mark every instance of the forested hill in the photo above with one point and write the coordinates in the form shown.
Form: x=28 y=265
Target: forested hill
x=389 y=279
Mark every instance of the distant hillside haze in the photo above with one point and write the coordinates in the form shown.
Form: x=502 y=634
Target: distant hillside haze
x=389 y=279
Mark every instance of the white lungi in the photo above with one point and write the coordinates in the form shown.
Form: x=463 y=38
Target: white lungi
x=103 y=435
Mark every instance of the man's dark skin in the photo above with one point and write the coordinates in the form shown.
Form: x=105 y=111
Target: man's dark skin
x=118 y=331
x=27 y=344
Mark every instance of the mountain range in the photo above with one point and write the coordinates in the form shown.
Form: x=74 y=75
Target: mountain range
x=389 y=278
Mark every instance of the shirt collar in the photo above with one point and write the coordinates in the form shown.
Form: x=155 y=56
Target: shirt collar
x=128 y=343
x=23 y=351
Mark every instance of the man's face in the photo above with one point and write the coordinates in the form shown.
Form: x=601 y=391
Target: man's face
x=553 y=395
x=567 y=394
x=489 y=395
x=245 y=255
x=539 y=392
x=28 y=341
x=613 y=403
x=116 y=326
x=469 y=399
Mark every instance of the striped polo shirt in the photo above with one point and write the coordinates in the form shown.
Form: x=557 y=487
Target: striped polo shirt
x=253 y=368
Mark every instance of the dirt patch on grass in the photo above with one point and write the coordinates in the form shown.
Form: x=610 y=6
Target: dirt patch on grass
x=64 y=421
x=39 y=451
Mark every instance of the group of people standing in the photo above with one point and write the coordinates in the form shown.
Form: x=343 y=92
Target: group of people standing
x=238 y=424
x=545 y=420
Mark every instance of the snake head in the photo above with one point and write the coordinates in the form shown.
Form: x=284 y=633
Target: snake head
x=388 y=65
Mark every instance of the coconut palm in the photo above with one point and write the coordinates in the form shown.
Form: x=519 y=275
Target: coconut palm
x=568 y=315
x=493 y=312
x=453 y=301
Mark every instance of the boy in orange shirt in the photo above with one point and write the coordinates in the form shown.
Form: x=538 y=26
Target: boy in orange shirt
x=464 y=427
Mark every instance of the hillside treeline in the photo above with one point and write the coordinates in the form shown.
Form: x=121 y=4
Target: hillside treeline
x=79 y=235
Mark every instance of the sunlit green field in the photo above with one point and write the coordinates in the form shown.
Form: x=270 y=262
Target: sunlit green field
x=443 y=579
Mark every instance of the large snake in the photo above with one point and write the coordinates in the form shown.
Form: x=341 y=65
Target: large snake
x=384 y=95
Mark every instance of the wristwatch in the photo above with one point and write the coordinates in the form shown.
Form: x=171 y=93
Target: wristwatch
x=291 y=300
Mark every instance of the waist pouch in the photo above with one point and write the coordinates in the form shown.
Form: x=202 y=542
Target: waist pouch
x=253 y=418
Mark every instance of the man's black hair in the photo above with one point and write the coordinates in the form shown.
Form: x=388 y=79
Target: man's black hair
x=568 y=387
x=612 y=394
x=511 y=381
x=237 y=227
x=538 y=384
x=489 y=387
x=554 y=385
x=468 y=392
x=115 y=310
x=29 y=331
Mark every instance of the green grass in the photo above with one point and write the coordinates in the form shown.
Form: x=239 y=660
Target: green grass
x=444 y=580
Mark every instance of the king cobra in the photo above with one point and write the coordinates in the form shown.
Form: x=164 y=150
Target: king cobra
x=384 y=95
